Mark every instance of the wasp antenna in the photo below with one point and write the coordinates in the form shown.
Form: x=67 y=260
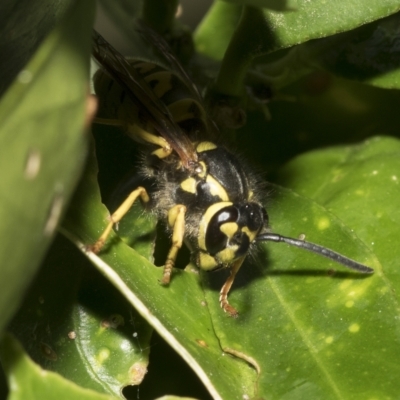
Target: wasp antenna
x=315 y=248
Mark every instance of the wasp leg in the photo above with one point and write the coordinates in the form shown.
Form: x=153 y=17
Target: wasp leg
x=176 y=220
x=223 y=294
x=136 y=131
x=118 y=215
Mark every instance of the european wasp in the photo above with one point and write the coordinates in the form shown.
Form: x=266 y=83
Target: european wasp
x=208 y=198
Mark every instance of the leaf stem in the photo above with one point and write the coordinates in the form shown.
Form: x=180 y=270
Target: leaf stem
x=252 y=38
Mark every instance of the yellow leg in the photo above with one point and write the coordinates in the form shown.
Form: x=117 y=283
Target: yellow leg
x=135 y=131
x=223 y=294
x=176 y=220
x=118 y=215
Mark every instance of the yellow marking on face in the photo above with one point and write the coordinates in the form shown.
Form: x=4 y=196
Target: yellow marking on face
x=163 y=85
x=227 y=255
x=251 y=194
x=205 y=220
x=189 y=185
x=249 y=233
x=229 y=229
x=205 y=146
x=206 y=262
x=216 y=189
x=203 y=173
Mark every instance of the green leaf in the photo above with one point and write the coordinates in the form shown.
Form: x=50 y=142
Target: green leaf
x=211 y=22
x=75 y=323
x=23 y=26
x=361 y=178
x=303 y=317
x=305 y=323
x=301 y=325
x=367 y=54
x=310 y=20
x=43 y=148
x=277 y=31
x=28 y=381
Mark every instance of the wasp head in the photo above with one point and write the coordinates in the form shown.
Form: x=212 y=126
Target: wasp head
x=227 y=231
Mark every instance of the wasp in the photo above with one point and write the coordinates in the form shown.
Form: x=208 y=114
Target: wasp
x=207 y=197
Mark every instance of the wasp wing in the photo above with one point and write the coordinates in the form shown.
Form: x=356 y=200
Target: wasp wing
x=152 y=108
x=162 y=46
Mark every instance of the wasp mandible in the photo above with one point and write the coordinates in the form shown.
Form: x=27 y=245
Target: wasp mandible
x=208 y=198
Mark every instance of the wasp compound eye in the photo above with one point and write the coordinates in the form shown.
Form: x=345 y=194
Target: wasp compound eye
x=219 y=228
x=252 y=216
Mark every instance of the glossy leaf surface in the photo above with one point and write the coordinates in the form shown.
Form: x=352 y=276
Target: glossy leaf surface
x=303 y=318
x=363 y=178
x=309 y=20
x=28 y=381
x=366 y=54
x=43 y=147
x=23 y=26
x=75 y=323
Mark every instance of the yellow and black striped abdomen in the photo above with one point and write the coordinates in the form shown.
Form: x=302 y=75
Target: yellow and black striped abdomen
x=169 y=88
x=113 y=102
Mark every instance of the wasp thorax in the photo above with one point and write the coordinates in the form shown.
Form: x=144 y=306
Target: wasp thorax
x=228 y=230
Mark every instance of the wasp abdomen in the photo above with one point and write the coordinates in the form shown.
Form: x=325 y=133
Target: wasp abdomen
x=185 y=109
